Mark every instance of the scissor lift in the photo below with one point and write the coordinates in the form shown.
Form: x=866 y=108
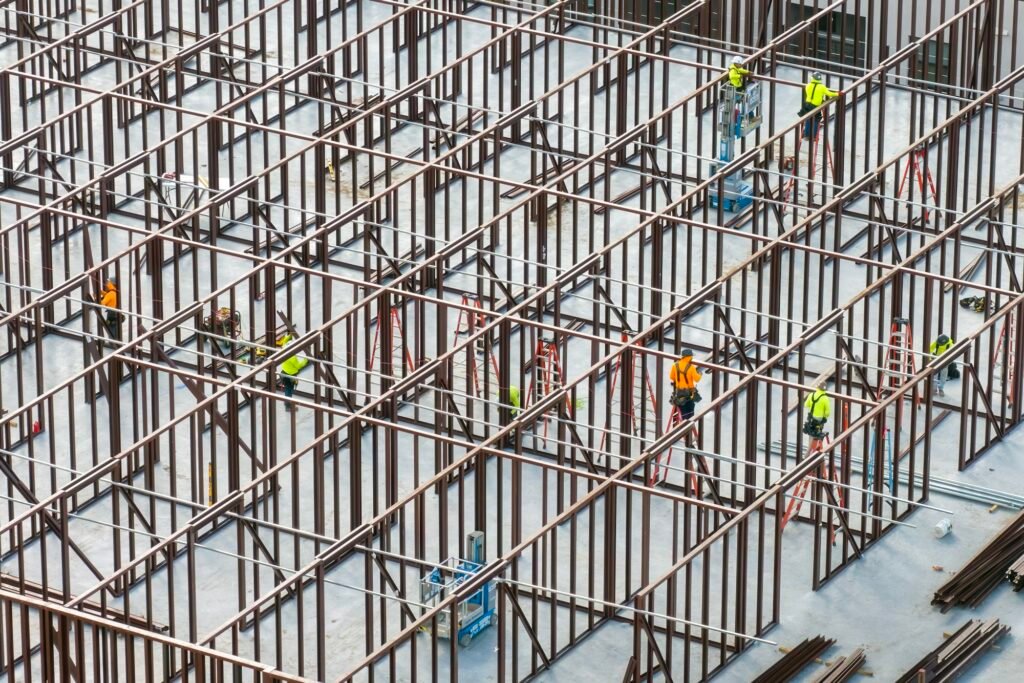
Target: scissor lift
x=475 y=613
x=739 y=113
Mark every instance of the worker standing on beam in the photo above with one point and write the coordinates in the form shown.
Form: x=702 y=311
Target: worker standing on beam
x=108 y=300
x=684 y=377
x=938 y=347
x=738 y=76
x=819 y=408
x=816 y=93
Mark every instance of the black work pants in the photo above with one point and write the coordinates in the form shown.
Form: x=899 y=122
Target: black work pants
x=114 y=324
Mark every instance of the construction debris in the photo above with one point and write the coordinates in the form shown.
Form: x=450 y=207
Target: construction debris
x=958 y=653
x=1016 y=574
x=843 y=668
x=985 y=571
x=795 y=660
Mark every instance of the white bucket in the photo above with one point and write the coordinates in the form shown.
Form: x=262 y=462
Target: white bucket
x=943 y=528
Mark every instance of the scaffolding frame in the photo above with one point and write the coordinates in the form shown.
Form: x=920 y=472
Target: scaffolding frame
x=343 y=178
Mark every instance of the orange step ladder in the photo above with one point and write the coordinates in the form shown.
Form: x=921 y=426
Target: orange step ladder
x=396 y=326
x=627 y=394
x=899 y=365
x=827 y=476
x=473 y=321
x=1007 y=337
x=790 y=163
x=922 y=173
x=546 y=377
x=663 y=462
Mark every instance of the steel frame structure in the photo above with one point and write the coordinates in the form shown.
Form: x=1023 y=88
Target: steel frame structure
x=349 y=173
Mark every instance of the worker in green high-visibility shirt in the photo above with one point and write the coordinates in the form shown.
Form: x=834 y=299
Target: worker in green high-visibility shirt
x=819 y=408
x=738 y=76
x=938 y=347
x=513 y=398
x=816 y=93
x=289 y=371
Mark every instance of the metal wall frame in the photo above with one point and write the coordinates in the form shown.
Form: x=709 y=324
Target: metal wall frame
x=543 y=170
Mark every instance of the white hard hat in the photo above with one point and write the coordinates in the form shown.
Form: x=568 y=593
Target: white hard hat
x=737 y=60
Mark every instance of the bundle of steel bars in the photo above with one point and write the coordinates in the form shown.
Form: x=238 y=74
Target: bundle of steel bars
x=1015 y=574
x=958 y=653
x=794 y=661
x=843 y=668
x=985 y=571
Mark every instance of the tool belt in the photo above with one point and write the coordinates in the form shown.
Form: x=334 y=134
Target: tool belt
x=806 y=108
x=953 y=372
x=680 y=397
x=813 y=427
x=978 y=304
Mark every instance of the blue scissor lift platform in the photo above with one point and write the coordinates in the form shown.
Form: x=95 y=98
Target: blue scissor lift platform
x=739 y=113
x=476 y=612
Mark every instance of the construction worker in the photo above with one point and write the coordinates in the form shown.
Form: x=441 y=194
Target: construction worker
x=819 y=407
x=684 y=377
x=513 y=398
x=738 y=76
x=289 y=371
x=938 y=347
x=108 y=300
x=816 y=93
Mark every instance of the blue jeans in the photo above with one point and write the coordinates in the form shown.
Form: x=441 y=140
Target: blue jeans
x=289 y=385
x=811 y=126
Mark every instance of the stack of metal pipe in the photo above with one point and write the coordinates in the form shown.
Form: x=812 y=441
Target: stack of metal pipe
x=843 y=668
x=986 y=570
x=957 y=654
x=1016 y=574
x=795 y=660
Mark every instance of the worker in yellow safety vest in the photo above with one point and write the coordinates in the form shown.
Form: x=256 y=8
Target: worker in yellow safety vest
x=938 y=347
x=684 y=377
x=816 y=93
x=289 y=371
x=738 y=76
x=513 y=398
x=819 y=408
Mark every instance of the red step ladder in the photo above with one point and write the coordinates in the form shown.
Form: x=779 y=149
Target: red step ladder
x=396 y=326
x=627 y=394
x=923 y=175
x=1007 y=336
x=790 y=163
x=899 y=365
x=474 y=321
x=827 y=476
x=663 y=462
x=545 y=378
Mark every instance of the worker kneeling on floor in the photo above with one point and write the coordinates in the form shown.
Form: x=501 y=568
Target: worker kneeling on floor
x=288 y=374
x=684 y=377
